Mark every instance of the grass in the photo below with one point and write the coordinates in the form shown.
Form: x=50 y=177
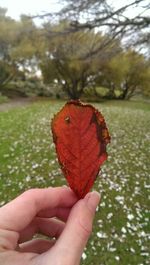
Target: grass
x=27 y=159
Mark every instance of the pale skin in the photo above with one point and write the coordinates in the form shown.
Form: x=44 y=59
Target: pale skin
x=54 y=212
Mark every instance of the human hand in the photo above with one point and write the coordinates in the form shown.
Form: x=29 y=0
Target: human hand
x=33 y=212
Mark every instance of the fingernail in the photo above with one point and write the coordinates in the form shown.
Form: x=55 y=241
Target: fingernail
x=92 y=200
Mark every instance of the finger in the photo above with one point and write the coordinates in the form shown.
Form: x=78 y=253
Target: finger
x=36 y=246
x=59 y=212
x=48 y=227
x=77 y=229
x=17 y=214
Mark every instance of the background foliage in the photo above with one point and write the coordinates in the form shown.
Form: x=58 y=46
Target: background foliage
x=55 y=60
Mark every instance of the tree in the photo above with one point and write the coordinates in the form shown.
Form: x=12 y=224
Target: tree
x=115 y=18
x=26 y=45
x=128 y=20
x=65 y=59
x=6 y=74
x=7 y=38
x=18 y=40
x=128 y=72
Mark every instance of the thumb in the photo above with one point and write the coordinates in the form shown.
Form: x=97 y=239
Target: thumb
x=78 y=228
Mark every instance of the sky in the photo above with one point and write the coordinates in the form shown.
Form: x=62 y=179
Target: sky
x=34 y=7
x=29 y=7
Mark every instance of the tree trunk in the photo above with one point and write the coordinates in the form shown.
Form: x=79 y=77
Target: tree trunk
x=111 y=91
x=125 y=91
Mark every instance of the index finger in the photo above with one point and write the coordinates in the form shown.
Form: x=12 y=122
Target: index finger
x=17 y=214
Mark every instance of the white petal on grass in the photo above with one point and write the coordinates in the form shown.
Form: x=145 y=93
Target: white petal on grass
x=28 y=178
x=84 y=256
x=123 y=230
x=130 y=217
x=112 y=249
x=97 y=208
x=103 y=204
x=117 y=258
x=132 y=250
x=6 y=155
x=145 y=254
x=102 y=235
x=142 y=234
x=109 y=215
x=2 y=203
x=120 y=199
x=34 y=166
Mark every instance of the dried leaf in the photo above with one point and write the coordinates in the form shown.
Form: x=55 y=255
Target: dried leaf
x=80 y=135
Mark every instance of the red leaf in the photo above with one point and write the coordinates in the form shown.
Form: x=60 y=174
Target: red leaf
x=80 y=135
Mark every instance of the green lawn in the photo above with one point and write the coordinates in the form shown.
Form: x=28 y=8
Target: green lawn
x=27 y=159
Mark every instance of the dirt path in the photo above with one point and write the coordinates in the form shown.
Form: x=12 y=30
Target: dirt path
x=19 y=102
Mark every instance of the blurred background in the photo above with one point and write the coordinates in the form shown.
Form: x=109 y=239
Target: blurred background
x=93 y=49
x=98 y=51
